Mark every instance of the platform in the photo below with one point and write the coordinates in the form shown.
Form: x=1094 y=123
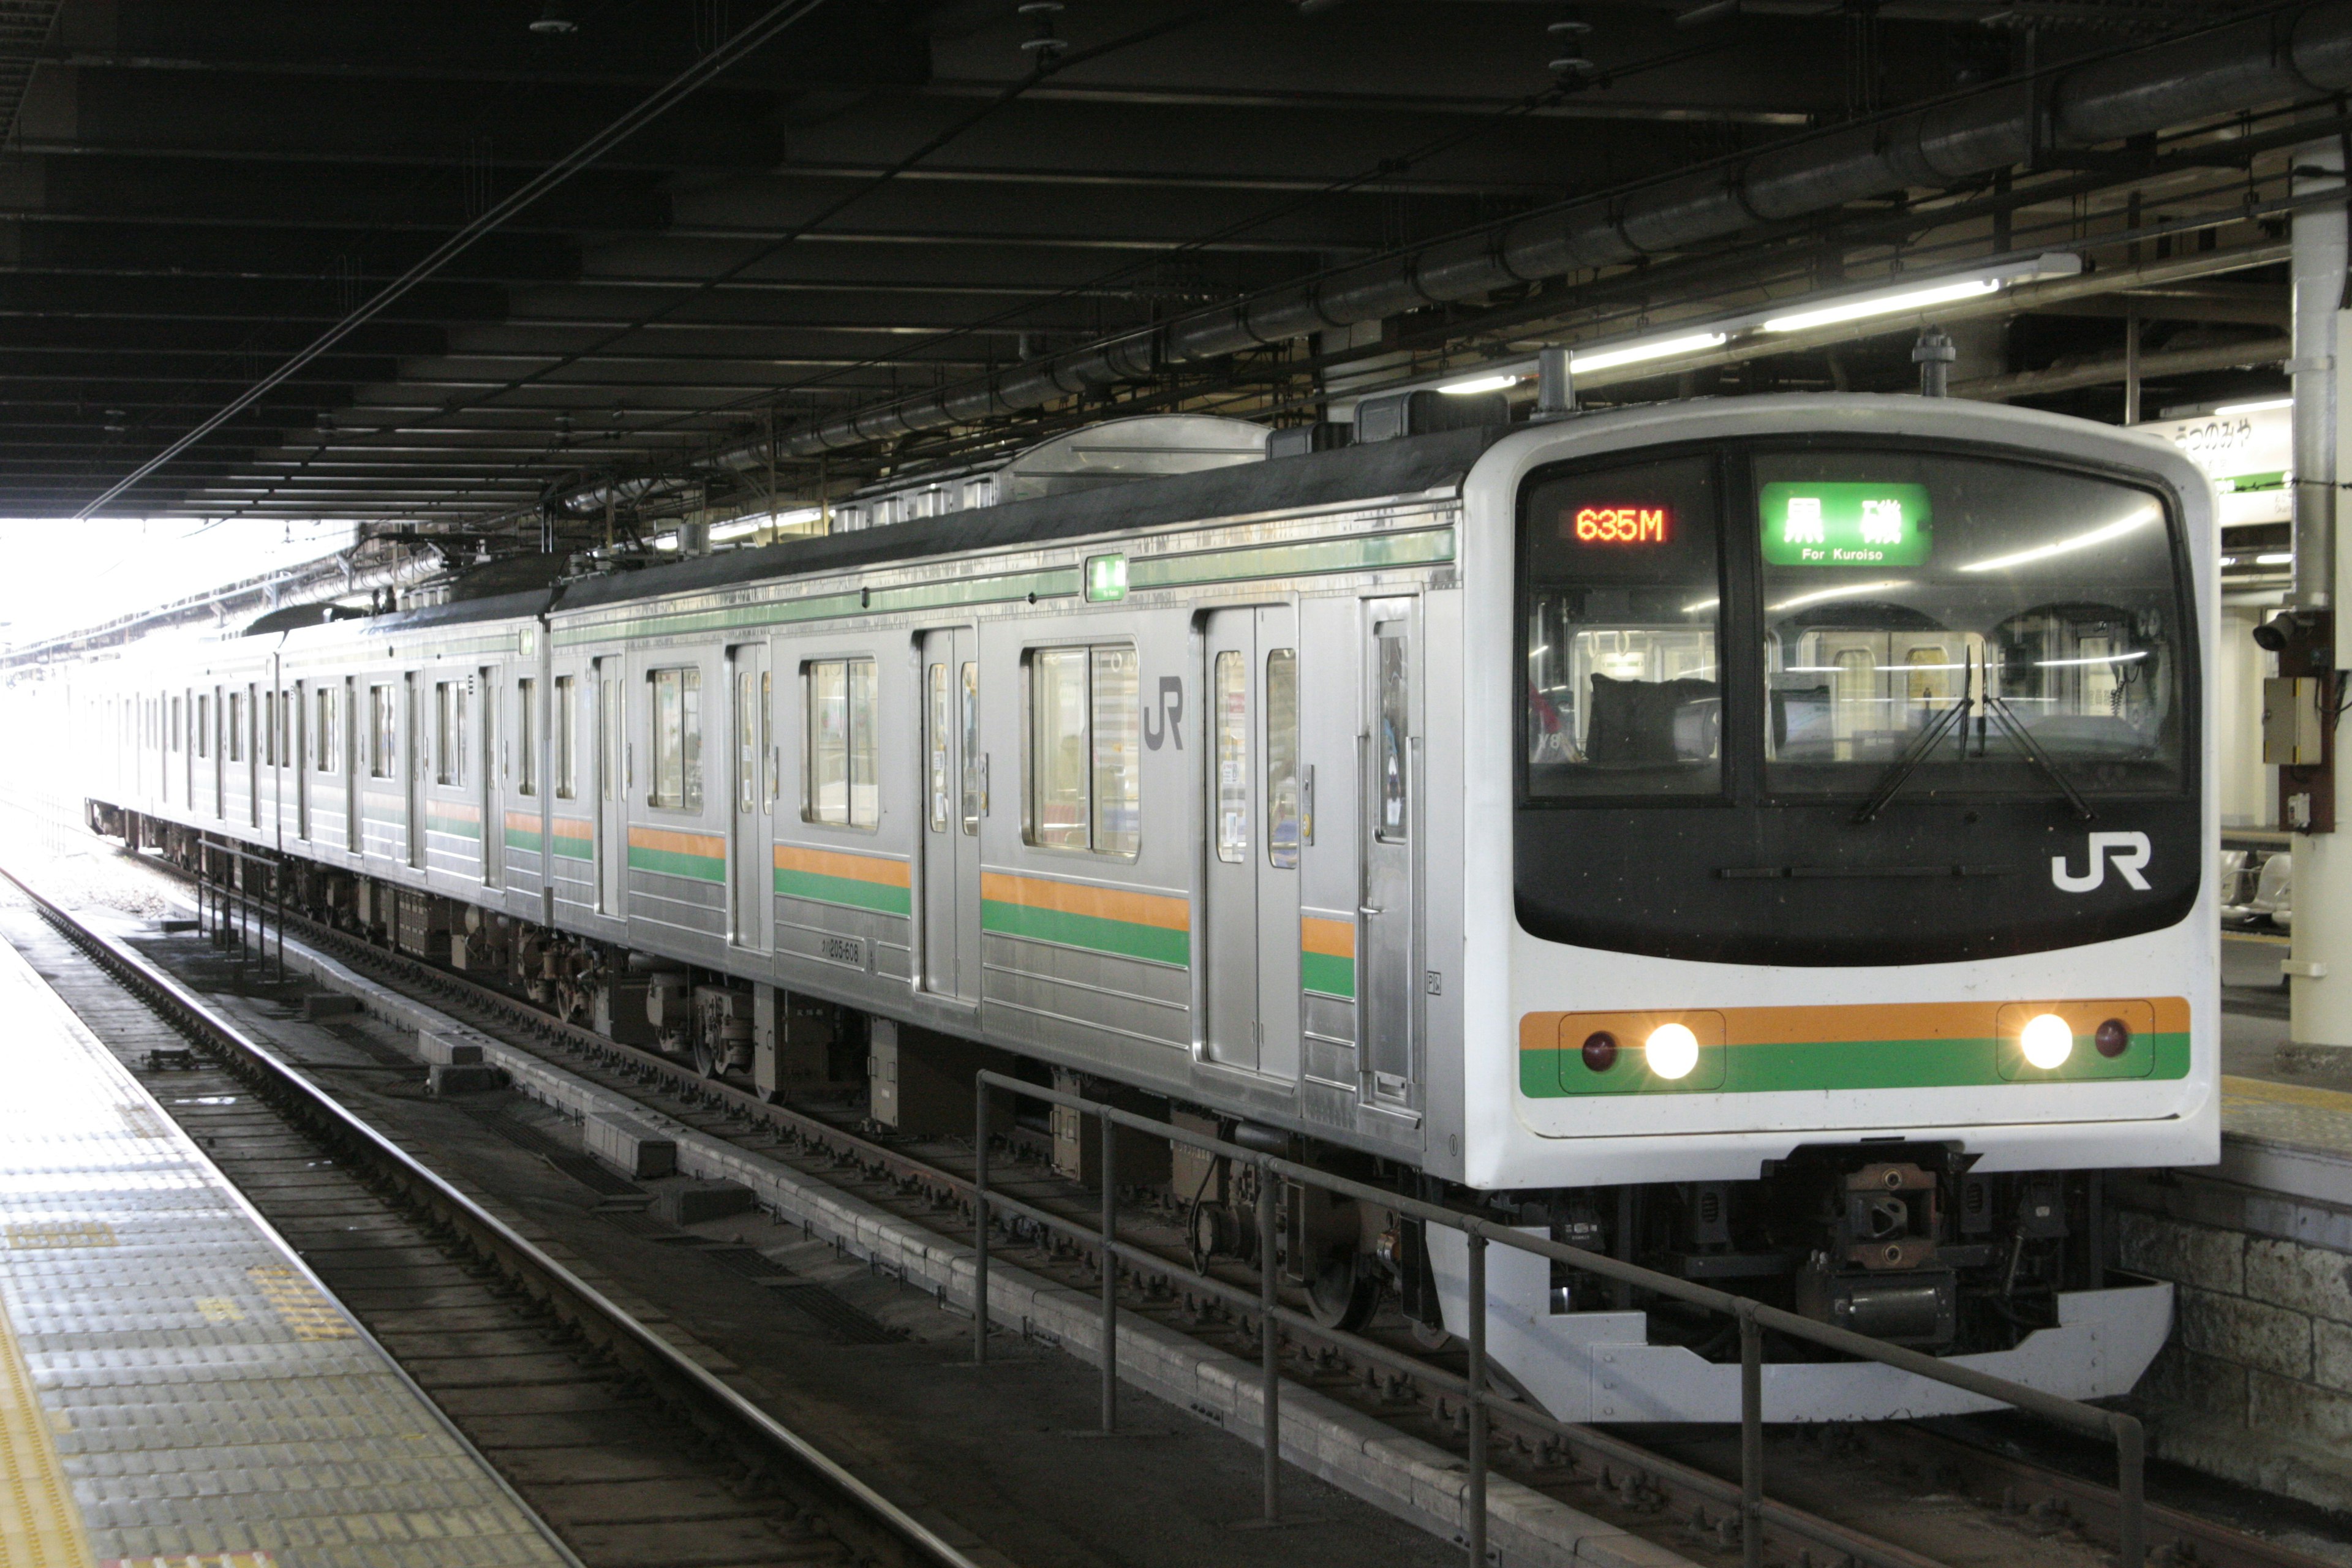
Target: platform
x=175 y=1388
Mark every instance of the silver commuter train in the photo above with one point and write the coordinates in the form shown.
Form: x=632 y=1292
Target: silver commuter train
x=1766 y=838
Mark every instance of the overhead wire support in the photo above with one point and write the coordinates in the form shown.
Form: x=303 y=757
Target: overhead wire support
x=660 y=103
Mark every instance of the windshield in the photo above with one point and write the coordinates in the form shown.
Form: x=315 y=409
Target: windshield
x=1622 y=610
x=1884 y=588
x=1900 y=585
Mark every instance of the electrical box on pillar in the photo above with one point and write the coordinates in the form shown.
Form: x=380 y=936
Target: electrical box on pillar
x=2300 y=707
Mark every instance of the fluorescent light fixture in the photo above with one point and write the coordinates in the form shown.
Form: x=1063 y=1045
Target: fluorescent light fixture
x=1888 y=304
x=2115 y=529
x=1843 y=591
x=2095 y=658
x=1478 y=383
x=2275 y=558
x=1657 y=348
x=2265 y=405
x=742 y=529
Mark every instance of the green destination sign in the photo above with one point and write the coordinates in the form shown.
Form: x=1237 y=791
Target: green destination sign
x=1841 y=523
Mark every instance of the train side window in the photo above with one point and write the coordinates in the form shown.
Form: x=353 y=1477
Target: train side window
x=383 y=735
x=567 y=773
x=178 y=728
x=678 y=739
x=840 y=784
x=237 y=726
x=325 y=731
x=204 y=724
x=526 y=738
x=1284 y=813
x=269 y=728
x=1085 y=751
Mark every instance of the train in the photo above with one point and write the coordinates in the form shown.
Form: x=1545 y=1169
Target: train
x=1767 y=839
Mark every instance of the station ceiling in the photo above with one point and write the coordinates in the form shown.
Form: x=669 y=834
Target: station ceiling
x=891 y=196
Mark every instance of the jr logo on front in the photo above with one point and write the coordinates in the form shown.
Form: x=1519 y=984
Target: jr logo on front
x=2127 y=851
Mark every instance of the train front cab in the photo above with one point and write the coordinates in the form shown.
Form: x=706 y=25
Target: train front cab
x=1836 y=901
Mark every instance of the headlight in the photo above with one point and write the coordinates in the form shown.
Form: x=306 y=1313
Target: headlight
x=2047 y=1042
x=1673 y=1050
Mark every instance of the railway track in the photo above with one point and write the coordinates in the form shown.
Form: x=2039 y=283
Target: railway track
x=637 y=1456
x=2016 y=1511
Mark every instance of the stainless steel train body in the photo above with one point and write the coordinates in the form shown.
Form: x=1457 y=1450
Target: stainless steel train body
x=1395 y=799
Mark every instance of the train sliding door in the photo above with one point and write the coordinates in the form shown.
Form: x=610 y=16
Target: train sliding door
x=953 y=789
x=1254 y=835
x=752 y=855
x=1389 y=777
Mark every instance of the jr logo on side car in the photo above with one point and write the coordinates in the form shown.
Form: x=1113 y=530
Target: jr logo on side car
x=2129 y=851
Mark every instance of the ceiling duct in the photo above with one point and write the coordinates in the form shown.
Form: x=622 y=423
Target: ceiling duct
x=2212 y=73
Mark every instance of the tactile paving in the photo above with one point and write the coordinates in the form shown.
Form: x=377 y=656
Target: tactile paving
x=2305 y=1116
x=175 y=1389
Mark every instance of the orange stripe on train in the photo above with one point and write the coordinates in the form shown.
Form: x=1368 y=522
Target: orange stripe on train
x=1075 y=899
x=840 y=863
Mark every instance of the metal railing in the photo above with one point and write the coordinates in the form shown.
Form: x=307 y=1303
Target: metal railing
x=1753 y=1318
x=231 y=912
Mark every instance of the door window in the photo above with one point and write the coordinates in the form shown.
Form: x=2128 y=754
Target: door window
x=1393 y=757
x=1229 y=691
x=976 y=779
x=527 y=737
x=1282 y=814
x=937 y=752
x=747 y=741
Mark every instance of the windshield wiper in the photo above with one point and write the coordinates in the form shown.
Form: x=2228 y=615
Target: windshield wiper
x=1913 y=755
x=2015 y=728
x=1977 y=692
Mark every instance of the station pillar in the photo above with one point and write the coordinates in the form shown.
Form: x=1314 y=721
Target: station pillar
x=2319 y=969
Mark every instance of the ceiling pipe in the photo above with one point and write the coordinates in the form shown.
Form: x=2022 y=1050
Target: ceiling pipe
x=2216 y=71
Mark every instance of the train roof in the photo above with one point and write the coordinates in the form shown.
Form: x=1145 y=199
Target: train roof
x=1411 y=465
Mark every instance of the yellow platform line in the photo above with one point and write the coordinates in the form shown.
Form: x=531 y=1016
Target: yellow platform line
x=40 y=1524
x=299 y=1306
x=2263 y=1088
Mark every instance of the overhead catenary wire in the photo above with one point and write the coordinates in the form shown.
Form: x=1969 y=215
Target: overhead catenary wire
x=653 y=107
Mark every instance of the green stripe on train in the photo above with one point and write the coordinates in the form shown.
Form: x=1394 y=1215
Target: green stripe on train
x=435 y=822
x=880 y=897
x=1128 y=939
x=523 y=839
x=568 y=847
x=1327 y=974
x=671 y=863
x=1829 y=1066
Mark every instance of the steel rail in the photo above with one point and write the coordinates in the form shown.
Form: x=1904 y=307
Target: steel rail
x=1790 y=1529
x=191 y=1013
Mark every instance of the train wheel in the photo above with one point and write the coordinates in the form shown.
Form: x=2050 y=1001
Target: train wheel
x=1344 y=1294
x=706 y=1061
